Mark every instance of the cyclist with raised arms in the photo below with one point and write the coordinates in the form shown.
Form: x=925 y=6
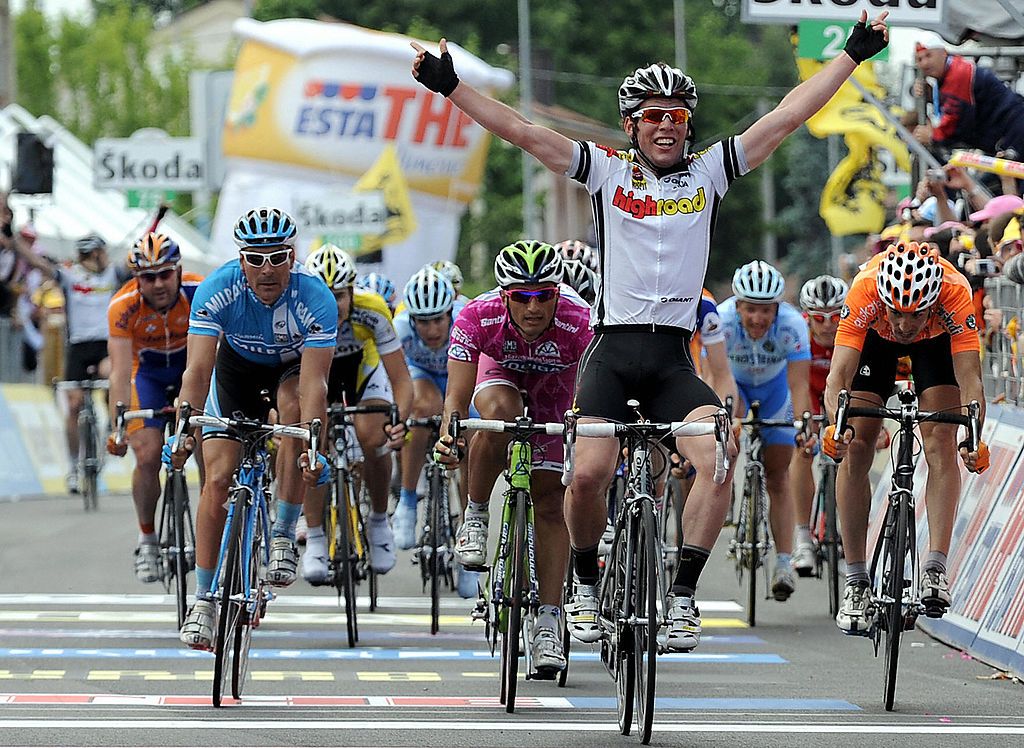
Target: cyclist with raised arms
x=906 y=301
x=368 y=369
x=821 y=300
x=654 y=208
x=770 y=355
x=148 y=328
x=276 y=325
x=528 y=334
x=88 y=285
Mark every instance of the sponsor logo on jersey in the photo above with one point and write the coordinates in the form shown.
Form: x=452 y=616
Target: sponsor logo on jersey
x=638 y=180
x=845 y=312
x=612 y=153
x=280 y=337
x=508 y=346
x=865 y=371
x=458 y=352
x=562 y=325
x=548 y=349
x=972 y=323
x=949 y=321
x=676 y=300
x=279 y=324
x=647 y=206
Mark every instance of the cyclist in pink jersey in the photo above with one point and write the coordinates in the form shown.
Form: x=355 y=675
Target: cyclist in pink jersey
x=526 y=335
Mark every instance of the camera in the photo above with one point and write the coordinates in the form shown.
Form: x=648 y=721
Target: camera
x=985 y=266
x=936 y=175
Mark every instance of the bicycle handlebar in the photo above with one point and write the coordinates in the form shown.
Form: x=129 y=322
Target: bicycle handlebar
x=908 y=409
x=296 y=432
x=82 y=384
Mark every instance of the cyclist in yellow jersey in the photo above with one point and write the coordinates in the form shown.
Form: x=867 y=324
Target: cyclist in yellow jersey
x=368 y=369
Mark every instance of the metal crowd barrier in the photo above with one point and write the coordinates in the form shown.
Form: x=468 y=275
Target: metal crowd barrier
x=11 y=369
x=1003 y=344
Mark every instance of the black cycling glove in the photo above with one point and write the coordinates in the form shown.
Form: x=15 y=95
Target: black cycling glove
x=438 y=74
x=864 y=42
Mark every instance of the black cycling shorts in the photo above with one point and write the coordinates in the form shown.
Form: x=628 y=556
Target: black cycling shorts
x=341 y=382
x=80 y=356
x=653 y=368
x=238 y=384
x=931 y=364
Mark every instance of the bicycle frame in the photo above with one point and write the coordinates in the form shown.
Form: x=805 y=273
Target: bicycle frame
x=518 y=475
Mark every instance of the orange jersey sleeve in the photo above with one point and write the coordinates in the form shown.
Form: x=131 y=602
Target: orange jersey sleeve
x=123 y=309
x=953 y=313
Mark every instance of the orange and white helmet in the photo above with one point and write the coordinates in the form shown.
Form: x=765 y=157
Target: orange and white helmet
x=909 y=276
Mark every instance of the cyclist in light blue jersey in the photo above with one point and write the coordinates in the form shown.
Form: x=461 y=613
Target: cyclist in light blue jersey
x=277 y=326
x=770 y=355
x=424 y=327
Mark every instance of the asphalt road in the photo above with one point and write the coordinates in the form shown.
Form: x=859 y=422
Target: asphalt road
x=88 y=656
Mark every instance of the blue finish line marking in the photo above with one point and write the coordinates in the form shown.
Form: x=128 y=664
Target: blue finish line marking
x=351 y=654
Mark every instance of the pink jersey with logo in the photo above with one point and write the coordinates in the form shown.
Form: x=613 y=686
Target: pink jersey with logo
x=545 y=367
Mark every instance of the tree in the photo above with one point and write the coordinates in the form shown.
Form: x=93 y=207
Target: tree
x=96 y=77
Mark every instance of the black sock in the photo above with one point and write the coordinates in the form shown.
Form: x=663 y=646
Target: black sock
x=585 y=561
x=691 y=563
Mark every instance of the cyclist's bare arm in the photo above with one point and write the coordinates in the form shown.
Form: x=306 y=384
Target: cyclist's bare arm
x=967 y=370
x=461 y=379
x=840 y=377
x=44 y=266
x=401 y=382
x=716 y=365
x=120 y=352
x=195 y=382
x=798 y=376
x=314 y=368
x=798 y=106
x=549 y=147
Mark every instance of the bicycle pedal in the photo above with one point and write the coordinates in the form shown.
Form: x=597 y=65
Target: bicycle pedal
x=543 y=673
x=935 y=611
x=484 y=568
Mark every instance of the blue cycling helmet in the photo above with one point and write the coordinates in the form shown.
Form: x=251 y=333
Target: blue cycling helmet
x=265 y=227
x=380 y=285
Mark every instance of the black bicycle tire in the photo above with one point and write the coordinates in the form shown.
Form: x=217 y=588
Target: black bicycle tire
x=89 y=471
x=228 y=613
x=243 y=629
x=513 y=631
x=753 y=530
x=625 y=665
x=832 y=540
x=645 y=638
x=894 y=615
x=563 y=674
x=165 y=533
x=434 y=540
x=344 y=557
x=179 y=494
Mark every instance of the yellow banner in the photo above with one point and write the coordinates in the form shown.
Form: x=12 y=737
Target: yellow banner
x=386 y=177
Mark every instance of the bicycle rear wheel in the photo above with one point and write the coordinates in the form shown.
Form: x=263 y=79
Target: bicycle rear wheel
x=894 y=559
x=230 y=590
x=166 y=534
x=434 y=507
x=90 y=470
x=341 y=518
x=625 y=664
x=645 y=631
x=514 y=596
x=563 y=675
x=179 y=559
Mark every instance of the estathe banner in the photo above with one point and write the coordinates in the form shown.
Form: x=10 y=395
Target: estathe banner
x=316 y=106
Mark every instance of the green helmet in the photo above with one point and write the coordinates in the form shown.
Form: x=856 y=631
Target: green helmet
x=527 y=262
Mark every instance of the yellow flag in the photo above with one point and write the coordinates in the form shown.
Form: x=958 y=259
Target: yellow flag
x=386 y=176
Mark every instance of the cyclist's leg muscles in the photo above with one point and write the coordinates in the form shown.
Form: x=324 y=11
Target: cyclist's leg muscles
x=146 y=444
x=552 y=541
x=781 y=514
x=222 y=457
x=932 y=364
x=376 y=467
x=496 y=398
x=291 y=489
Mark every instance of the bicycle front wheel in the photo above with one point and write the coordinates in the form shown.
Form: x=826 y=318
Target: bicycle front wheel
x=90 y=469
x=230 y=591
x=434 y=511
x=514 y=600
x=625 y=663
x=179 y=560
x=752 y=531
x=895 y=557
x=645 y=631
x=344 y=524
x=828 y=489
x=252 y=605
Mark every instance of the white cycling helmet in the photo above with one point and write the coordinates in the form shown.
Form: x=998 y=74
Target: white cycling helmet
x=582 y=279
x=333 y=265
x=909 y=276
x=657 y=80
x=451 y=271
x=428 y=294
x=573 y=250
x=823 y=293
x=758 y=282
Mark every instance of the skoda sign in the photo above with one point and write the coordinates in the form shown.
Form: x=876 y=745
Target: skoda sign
x=149 y=160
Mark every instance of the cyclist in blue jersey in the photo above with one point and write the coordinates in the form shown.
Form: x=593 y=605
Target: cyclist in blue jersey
x=277 y=326
x=770 y=355
x=380 y=285
x=424 y=327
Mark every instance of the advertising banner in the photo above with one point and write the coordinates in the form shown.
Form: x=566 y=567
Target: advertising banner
x=921 y=13
x=316 y=106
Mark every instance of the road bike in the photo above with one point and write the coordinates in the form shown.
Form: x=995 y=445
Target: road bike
x=824 y=526
x=90 y=461
x=175 y=530
x=435 y=552
x=632 y=591
x=895 y=569
x=348 y=561
x=752 y=541
x=240 y=589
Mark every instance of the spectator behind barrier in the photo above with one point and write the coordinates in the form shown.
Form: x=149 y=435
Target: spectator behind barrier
x=975 y=108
